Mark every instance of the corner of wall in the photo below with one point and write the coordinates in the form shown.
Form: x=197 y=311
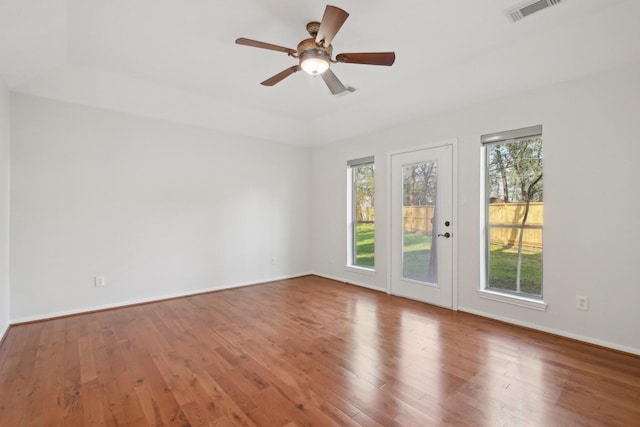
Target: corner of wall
x=5 y=137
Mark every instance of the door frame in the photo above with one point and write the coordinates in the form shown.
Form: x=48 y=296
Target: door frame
x=453 y=142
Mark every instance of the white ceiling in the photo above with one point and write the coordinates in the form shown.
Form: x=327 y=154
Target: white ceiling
x=177 y=60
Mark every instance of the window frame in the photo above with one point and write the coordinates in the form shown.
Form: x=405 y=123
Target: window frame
x=507 y=296
x=352 y=217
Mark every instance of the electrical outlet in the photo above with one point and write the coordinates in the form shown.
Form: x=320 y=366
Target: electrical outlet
x=99 y=282
x=582 y=303
x=274 y=261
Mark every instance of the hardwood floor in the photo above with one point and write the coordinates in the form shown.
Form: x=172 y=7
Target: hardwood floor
x=306 y=351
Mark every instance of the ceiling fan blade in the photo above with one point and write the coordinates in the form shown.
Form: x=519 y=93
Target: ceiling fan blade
x=263 y=45
x=332 y=21
x=333 y=83
x=280 y=76
x=371 y=58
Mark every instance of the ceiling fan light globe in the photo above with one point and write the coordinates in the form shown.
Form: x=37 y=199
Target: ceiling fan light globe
x=314 y=62
x=314 y=66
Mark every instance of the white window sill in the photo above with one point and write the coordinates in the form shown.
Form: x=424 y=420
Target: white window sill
x=360 y=270
x=531 y=303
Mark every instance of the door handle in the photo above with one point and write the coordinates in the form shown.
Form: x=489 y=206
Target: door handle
x=447 y=235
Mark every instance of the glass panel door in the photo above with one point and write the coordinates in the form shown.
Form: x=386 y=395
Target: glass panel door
x=422 y=225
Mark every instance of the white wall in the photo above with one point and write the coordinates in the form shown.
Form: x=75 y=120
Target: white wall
x=4 y=207
x=162 y=209
x=159 y=209
x=591 y=132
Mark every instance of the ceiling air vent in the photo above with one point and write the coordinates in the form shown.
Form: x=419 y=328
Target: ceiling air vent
x=526 y=9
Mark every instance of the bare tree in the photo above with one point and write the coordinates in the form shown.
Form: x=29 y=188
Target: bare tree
x=530 y=192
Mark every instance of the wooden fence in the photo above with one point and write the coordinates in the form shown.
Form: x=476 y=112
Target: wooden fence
x=417 y=219
x=502 y=216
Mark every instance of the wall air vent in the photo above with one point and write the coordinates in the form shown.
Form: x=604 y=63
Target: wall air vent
x=528 y=8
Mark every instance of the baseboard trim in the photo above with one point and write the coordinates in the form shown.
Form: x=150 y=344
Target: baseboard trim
x=349 y=282
x=140 y=301
x=576 y=337
x=86 y=310
x=4 y=334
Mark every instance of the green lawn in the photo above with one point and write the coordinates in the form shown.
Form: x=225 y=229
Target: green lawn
x=365 y=248
x=417 y=249
x=503 y=264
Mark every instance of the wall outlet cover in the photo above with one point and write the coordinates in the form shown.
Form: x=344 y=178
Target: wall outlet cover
x=582 y=302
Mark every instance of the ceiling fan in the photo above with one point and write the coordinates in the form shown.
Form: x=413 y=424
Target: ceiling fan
x=315 y=53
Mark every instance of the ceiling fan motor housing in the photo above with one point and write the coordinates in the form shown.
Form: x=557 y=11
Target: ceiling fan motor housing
x=310 y=45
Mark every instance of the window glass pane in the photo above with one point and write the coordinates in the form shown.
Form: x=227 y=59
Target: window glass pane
x=363 y=215
x=419 y=183
x=515 y=209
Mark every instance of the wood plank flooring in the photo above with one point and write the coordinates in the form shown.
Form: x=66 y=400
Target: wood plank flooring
x=306 y=352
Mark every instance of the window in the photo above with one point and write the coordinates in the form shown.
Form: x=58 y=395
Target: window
x=514 y=212
x=361 y=214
